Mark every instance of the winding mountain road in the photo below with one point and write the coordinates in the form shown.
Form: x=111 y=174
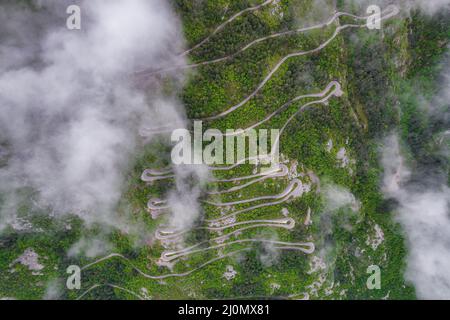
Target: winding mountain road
x=220 y=27
x=249 y=45
x=228 y=221
x=166 y=234
x=170 y=256
x=293 y=187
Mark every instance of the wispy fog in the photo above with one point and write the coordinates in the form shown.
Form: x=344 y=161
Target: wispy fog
x=337 y=197
x=70 y=110
x=423 y=212
x=183 y=199
x=423 y=198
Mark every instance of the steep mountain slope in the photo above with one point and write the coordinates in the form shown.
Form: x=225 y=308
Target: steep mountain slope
x=312 y=229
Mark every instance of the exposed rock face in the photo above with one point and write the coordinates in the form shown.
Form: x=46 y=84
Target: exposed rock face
x=29 y=259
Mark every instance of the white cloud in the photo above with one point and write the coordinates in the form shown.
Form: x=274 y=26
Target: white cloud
x=423 y=211
x=337 y=197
